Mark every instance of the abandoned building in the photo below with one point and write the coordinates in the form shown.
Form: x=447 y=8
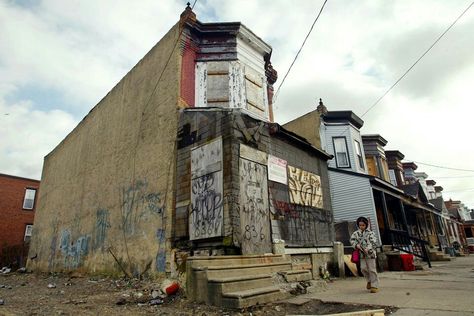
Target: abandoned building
x=181 y=162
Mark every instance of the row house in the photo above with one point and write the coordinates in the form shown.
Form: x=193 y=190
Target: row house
x=458 y=216
x=18 y=199
x=365 y=180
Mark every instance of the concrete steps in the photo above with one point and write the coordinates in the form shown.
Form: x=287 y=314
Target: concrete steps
x=296 y=275
x=246 y=298
x=239 y=281
x=249 y=269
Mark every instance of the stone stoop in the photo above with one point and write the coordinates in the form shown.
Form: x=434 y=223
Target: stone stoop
x=251 y=297
x=296 y=275
x=238 y=281
x=436 y=255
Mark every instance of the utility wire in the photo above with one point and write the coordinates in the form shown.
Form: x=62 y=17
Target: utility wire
x=459 y=190
x=416 y=62
x=297 y=54
x=455 y=177
x=443 y=167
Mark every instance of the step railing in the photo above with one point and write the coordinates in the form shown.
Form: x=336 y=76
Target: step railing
x=402 y=241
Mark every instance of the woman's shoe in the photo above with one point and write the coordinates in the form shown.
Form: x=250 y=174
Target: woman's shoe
x=369 y=286
x=374 y=290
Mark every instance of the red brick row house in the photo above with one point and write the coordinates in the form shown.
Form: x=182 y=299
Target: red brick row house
x=17 y=212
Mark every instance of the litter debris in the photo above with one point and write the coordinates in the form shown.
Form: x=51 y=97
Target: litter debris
x=21 y=270
x=2 y=302
x=156 y=294
x=157 y=301
x=5 y=270
x=169 y=287
x=51 y=286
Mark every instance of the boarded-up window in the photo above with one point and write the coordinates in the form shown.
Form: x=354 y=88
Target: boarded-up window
x=218 y=84
x=255 y=94
x=212 y=84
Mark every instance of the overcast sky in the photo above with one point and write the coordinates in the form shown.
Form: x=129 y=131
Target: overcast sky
x=59 y=58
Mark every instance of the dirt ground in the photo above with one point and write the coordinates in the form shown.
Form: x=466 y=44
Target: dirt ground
x=36 y=294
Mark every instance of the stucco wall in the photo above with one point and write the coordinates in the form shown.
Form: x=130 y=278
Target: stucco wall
x=307 y=126
x=108 y=185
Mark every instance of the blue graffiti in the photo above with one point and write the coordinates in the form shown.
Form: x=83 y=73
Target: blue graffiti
x=161 y=235
x=137 y=206
x=73 y=252
x=161 y=261
x=154 y=203
x=101 y=227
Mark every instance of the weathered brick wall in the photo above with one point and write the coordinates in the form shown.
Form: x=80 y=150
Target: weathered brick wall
x=298 y=225
x=249 y=203
x=188 y=71
x=197 y=128
x=109 y=185
x=13 y=218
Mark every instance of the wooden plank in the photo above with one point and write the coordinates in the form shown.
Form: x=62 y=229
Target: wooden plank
x=352 y=266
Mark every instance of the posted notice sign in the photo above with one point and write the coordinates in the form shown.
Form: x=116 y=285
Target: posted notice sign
x=277 y=169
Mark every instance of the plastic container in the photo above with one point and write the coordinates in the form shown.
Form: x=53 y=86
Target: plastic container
x=407 y=262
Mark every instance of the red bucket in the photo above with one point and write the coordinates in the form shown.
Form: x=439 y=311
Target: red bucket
x=407 y=262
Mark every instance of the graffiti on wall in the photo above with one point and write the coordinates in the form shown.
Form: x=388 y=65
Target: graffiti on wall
x=137 y=204
x=302 y=225
x=206 y=210
x=304 y=187
x=102 y=225
x=206 y=159
x=206 y=218
x=72 y=250
x=53 y=244
x=254 y=213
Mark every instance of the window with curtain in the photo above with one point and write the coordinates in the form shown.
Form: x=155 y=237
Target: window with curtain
x=341 y=152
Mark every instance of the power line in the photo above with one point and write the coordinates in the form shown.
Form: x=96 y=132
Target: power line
x=472 y=189
x=413 y=65
x=297 y=54
x=455 y=177
x=416 y=62
x=443 y=167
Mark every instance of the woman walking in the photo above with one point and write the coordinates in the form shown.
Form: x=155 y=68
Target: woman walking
x=365 y=241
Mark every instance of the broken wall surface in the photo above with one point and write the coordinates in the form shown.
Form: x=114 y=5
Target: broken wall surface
x=107 y=197
x=273 y=187
x=203 y=183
